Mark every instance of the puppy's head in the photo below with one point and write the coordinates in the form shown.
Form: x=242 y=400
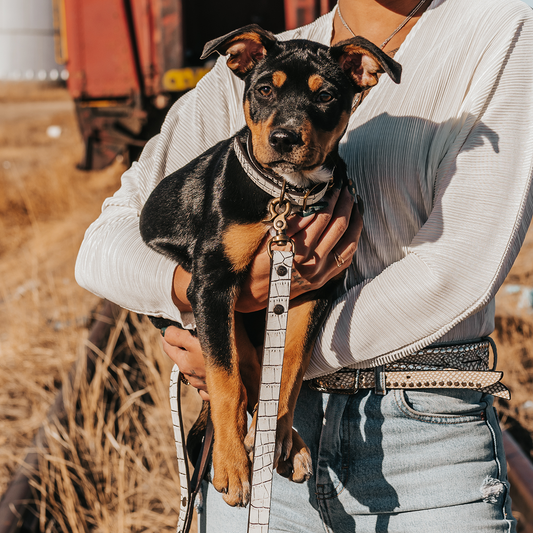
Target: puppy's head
x=298 y=95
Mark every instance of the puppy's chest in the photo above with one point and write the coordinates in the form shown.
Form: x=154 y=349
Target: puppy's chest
x=224 y=214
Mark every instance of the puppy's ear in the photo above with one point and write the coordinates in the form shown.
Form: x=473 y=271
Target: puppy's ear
x=245 y=47
x=362 y=61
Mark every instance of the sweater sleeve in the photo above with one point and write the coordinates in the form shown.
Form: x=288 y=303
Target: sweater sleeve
x=113 y=261
x=461 y=255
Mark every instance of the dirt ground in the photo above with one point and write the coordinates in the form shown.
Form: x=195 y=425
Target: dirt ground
x=46 y=204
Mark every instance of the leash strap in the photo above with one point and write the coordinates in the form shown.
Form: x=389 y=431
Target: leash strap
x=181 y=453
x=188 y=494
x=267 y=409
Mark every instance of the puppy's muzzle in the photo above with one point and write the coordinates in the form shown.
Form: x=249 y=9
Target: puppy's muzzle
x=284 y=141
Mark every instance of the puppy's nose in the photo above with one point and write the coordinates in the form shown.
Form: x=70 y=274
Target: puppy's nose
x=283 y=141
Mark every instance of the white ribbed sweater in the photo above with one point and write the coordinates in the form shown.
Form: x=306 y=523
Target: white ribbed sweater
x=443 y=162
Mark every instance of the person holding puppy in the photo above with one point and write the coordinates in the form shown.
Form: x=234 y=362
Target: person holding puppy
x=443 y=164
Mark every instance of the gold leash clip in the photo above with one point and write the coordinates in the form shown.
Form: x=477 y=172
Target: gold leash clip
x=279 y=210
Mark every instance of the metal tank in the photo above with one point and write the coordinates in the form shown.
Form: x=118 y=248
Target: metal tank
x=27 y=41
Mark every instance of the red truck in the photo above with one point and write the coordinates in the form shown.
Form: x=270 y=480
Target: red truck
x=130 y=60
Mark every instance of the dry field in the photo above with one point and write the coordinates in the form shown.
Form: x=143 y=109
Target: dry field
x=111 y=465
x=112 y=468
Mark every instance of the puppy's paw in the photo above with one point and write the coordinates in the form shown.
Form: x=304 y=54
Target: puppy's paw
x=284 y=435
x=292 y=458
x=298 y=466
x=232 y=476
x=249 y=440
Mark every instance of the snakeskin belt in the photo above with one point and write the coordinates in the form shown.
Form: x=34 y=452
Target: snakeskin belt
x=445 y=366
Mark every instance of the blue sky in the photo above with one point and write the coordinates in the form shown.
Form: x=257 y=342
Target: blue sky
x=529 y=2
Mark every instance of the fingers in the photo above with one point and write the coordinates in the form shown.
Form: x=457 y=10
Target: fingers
x=318 y=237
x=184 y=349
x=344 y=250
x=180 y=283
x=327 y=246
x=203 y=394
x=296 y=223
x=181 y=338
x=307 y=239
x=338 y=224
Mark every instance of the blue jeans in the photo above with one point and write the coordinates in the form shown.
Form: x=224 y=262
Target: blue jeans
x=409 y=461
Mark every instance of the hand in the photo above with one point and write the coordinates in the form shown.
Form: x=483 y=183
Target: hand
x=180 y=283
x=184 y=349
x=322 y=242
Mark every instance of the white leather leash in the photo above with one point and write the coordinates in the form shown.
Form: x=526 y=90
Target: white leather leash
x=181 y=453
x=271 y=368
x=189 y=488
x=267 y=408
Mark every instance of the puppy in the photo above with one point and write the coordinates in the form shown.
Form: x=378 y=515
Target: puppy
x=209 y=217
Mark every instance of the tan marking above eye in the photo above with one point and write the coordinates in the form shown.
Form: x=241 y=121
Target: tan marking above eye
x=315 y=82
x=278 y=78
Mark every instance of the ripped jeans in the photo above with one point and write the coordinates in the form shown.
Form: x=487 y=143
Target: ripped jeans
x=410 y=461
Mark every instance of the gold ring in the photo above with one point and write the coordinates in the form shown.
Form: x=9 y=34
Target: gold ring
x=340 y=261
x=183 y=379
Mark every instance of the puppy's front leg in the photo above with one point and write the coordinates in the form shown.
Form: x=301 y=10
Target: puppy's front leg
x=214 y=312
x=292 y=458
x=249 y=361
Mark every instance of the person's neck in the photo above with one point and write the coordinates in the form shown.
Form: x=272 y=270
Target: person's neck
x=376 y=20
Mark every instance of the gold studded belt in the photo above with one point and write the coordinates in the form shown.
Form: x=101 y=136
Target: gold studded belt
x=445 y=366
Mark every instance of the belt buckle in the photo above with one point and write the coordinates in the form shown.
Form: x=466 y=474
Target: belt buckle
x=339 y=388
x=356 y=384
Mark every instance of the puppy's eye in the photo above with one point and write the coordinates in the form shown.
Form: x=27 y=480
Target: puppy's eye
x=265 y=90
x=324 y=97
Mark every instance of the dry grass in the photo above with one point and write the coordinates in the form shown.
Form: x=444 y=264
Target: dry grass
x=32 y=91
x=45 y=207
x=514 y=338
x=110 y=465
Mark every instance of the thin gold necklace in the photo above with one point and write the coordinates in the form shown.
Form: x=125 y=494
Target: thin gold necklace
x=359 y=97
x=386 y=41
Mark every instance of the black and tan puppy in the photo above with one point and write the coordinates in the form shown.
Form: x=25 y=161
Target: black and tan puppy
x=209 y=217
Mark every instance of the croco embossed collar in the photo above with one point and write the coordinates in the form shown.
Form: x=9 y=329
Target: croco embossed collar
x=273 y=184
